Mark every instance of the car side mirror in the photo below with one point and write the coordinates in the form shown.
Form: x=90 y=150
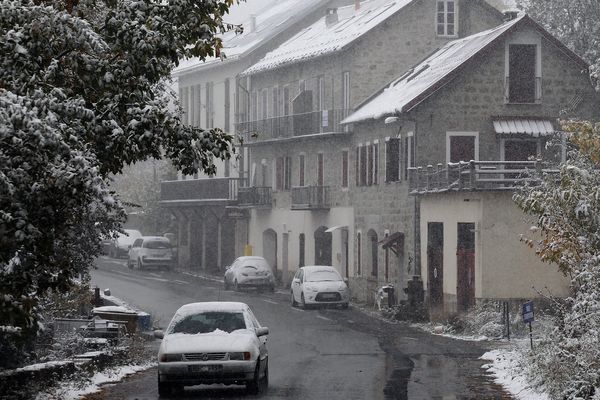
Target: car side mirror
x=262 y=331
x=159 y=334
x=227 y=267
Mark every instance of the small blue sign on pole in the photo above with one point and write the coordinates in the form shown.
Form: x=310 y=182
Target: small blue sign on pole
x=528 y=318
x=528 y=312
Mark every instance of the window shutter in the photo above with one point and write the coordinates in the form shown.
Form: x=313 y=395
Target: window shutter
x=279 y=173
x=392 y=160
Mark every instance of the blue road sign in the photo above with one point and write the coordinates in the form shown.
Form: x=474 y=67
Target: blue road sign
x=528 y=312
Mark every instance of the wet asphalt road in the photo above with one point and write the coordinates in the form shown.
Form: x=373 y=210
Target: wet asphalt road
x=313 y=354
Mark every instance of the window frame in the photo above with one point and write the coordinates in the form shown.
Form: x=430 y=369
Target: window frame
x=451 y=134
x=445 y=23
x=345 y=181
x=525 y=38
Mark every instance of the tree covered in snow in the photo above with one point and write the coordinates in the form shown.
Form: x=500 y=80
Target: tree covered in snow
x=83 y=92
x=576 y=23
x=567 y=213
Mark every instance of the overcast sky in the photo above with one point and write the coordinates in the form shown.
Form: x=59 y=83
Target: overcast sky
x=241 y=12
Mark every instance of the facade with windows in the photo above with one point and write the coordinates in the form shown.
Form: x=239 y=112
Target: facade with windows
x=471 y=118
x=320 y=192
x=210 y=234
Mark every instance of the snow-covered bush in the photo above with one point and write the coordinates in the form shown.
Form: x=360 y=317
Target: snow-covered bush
x=82 y=94
x=566 y=209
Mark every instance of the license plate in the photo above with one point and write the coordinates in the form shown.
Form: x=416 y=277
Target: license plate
x=328 y=296
x=205 y=368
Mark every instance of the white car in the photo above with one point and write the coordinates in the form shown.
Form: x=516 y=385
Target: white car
x=155 y=251
x=249 y=271
x=119 y=246
x=319 y=284
x=213 y=342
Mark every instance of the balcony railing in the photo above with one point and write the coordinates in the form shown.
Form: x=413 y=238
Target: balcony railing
x=293 y=125
x=200 y=189
x=474 y=175
x=256 y=196
x=310 y=198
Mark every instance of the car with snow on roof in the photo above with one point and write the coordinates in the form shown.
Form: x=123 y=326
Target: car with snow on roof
x=213 y=342
x=319 y=285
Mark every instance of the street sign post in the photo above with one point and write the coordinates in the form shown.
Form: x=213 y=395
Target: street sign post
x=528 y=318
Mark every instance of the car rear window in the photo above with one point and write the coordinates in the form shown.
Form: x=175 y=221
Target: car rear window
x=157 y=244
x=323 y=275
x=209 y=322
x=257 y=265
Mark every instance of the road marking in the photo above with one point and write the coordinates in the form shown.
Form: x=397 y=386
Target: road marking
x=350 y=321
x=154 y=274
x=297 y=309
x=181 y=282
x=322 y=317
x=270 y=301
x=151 y=278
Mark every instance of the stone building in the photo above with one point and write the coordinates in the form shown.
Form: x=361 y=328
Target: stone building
x=207 y=93
x=469 y=120
x=321 y=192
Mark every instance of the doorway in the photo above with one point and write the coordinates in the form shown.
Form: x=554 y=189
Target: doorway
x=465 y=264
x=435 y=263
x=322 y=246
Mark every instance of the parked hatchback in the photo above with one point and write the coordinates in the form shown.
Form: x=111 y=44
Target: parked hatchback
x=213 y=342
x=319 y=284
x=249 y=271
x=119 y=246
x=151 y=251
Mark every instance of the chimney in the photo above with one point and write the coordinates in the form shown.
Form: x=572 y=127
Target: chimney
x=356 y=5
x=252 y=23
x=510 y=14
x=331 y=17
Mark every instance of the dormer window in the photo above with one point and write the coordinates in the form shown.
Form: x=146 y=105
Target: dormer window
x=446 y=18
x=523 y=84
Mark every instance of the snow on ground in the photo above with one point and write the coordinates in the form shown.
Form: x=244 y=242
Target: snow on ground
x=75 y=390
x=505 y=365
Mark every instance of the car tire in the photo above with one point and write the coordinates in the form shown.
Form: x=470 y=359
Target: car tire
x=164 y=389
x=344 y=305
x=236 y=287
x=253 y=386
x=225 y=284
x=140 y=265
x=302 y=301
x=129 y=264
x=265 y=379
x=294 y=302
x=272 y=288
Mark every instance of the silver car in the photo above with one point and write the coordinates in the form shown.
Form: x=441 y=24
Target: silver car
x=319 y=284
x=151 y=251
x=213 y=342
x=249 y=271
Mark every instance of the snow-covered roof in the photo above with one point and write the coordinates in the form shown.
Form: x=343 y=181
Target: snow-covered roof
x=419 y=82
x=227 y=306
x=273 y=19
x=319 y=39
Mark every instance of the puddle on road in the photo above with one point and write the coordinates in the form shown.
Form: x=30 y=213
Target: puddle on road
x=438 y=377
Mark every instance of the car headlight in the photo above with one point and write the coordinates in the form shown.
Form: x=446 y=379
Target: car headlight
x=311 y=288
x=246 y=355
x=165 y=357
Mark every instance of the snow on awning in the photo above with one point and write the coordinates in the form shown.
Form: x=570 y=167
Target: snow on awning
x=335 y=228
x=535 y=127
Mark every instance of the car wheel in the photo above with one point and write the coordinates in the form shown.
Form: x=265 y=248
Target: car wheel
x=225 y=284
x=164 y=389
x=272 y=288
x=253 y=386
x=236 y=287
x=265 y=378
x=140 y=265
x=344 y=305
x=129 y=264
x=294 y=302
x=302 y=301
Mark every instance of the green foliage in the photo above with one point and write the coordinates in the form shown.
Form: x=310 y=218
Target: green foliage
x=83 y=93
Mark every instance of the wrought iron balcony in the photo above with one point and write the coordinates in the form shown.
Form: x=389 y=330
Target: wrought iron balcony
x=310 y=198
x=255 y=196
x=475 y=175
x=310 y=123
x=199 y=190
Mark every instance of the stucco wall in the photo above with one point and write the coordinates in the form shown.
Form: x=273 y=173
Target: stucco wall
x=505 y=267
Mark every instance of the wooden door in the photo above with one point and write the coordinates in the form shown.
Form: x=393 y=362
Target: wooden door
x=435 y=263
x=465 y=263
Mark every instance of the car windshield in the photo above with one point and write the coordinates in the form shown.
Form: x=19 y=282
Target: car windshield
x=157 y=244
x=323 y=275
x=207 y=322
